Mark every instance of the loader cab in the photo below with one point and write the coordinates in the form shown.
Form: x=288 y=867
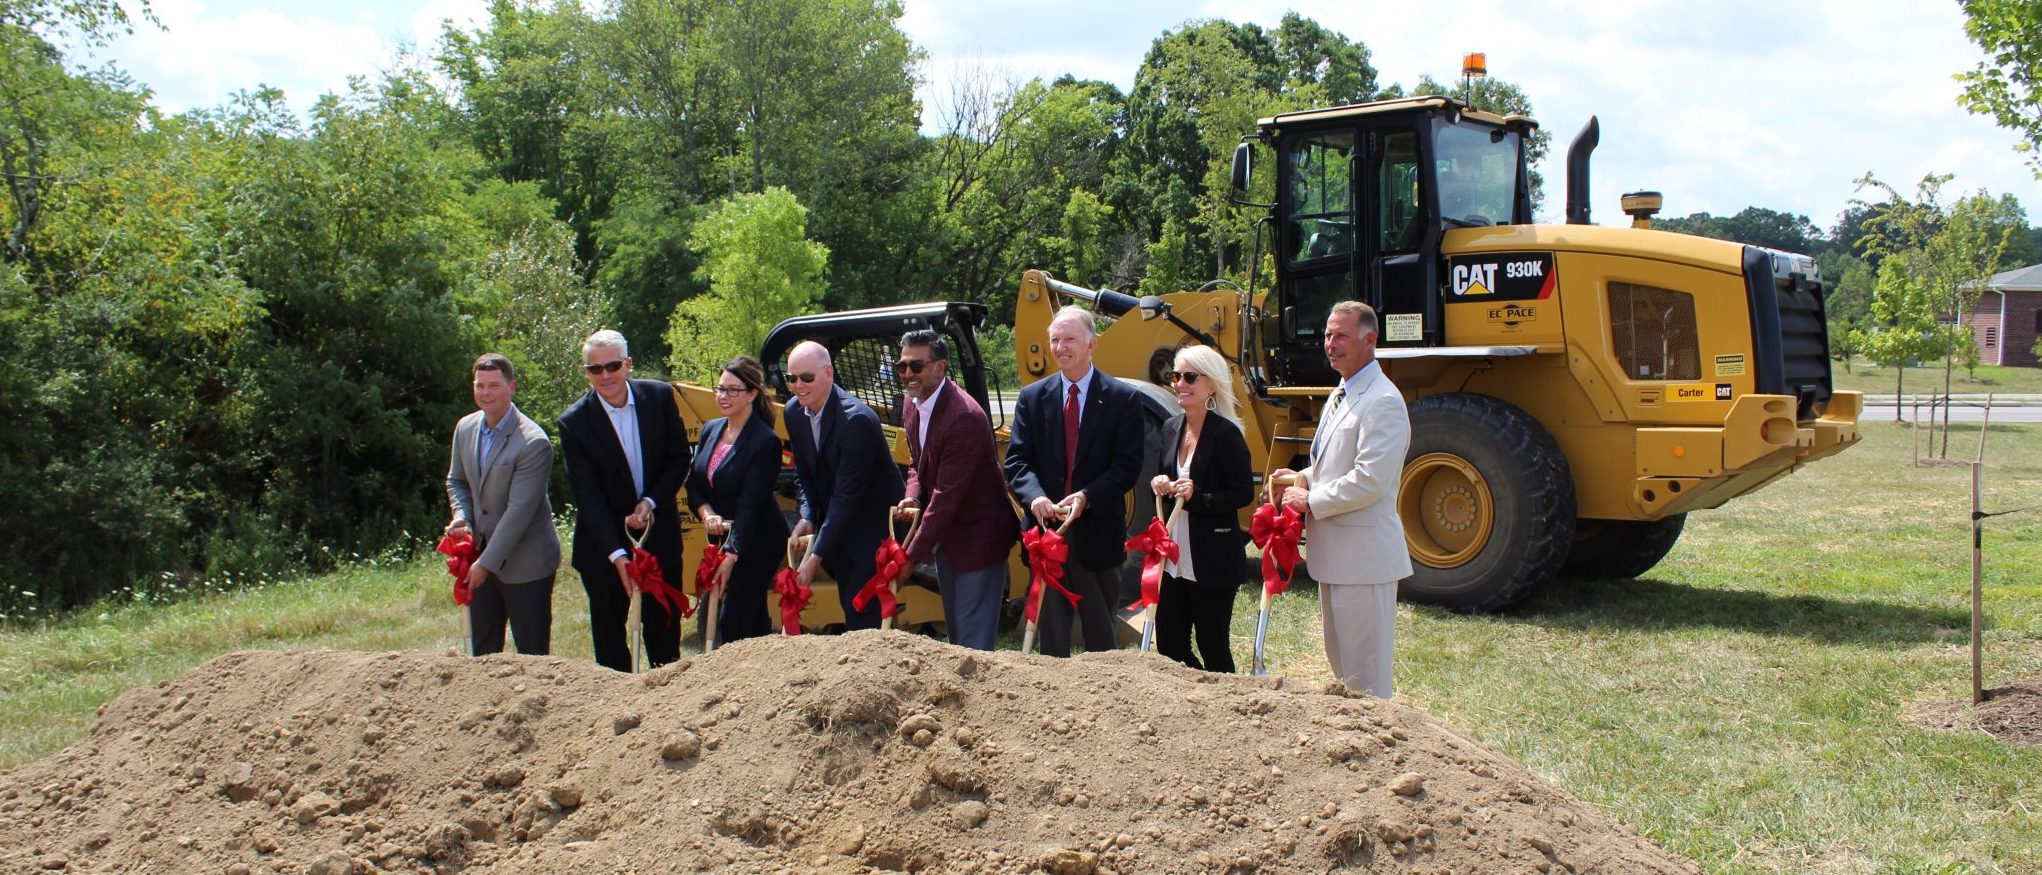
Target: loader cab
x=1363 y=195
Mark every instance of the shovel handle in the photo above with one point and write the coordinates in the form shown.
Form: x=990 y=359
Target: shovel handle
x=1276 y=482
x=797 y=548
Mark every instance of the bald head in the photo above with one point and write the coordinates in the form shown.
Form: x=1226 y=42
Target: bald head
x=810 y=374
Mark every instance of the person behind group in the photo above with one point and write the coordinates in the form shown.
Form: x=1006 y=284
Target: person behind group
x=847 y=477
x=1076 y=448
x=1354 y=543
x=968 y=525
x=627 y=456
x=1204 y=462
x=731 y=488
x=497 y=487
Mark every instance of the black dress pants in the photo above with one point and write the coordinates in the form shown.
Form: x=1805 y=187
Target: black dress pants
x=1186 y=608
x=609 y=605
x=527 y=606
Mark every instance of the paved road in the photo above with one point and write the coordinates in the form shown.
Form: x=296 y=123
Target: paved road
x=1962 y=412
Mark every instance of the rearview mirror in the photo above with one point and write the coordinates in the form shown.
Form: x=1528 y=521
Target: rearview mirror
x=1244 y=167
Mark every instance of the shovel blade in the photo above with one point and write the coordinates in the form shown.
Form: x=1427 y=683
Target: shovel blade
x=1261 y=669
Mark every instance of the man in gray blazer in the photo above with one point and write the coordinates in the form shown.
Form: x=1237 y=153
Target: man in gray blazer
x=1354 y=543
x=496 y=483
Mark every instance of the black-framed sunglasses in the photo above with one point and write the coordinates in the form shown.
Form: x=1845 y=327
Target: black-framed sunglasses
x=1186 y=377
x=803 y=378
x=604 y=367
x=909 y=366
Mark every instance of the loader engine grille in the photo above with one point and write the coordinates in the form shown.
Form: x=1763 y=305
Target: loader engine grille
x=1653 y=332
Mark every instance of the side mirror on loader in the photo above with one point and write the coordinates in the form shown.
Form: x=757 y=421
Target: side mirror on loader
x=1244 y=168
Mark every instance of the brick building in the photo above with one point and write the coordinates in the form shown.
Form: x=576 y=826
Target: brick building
x=2008 y=318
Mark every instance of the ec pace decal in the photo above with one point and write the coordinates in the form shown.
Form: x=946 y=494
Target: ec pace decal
x=1507 y=276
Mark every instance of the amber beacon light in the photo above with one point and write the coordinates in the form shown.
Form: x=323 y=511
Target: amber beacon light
x=1475 y=65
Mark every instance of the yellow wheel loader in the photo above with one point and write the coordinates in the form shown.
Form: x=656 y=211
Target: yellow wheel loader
x=1575 y=390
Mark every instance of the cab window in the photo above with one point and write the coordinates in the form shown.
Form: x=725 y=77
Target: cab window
x=1321 y=196
x=1402 y=212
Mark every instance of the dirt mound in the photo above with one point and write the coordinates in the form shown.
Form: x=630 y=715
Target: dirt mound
x=877 y=751
x=2010 y=713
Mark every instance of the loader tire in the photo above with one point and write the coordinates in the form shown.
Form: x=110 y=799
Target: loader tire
x=1487 y=503
x=1621 y=549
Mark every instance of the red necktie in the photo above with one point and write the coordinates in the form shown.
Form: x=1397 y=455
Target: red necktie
x=1070 y=437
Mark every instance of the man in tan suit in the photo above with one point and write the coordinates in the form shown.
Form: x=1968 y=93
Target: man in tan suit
x=1354 y=543
x=496 y=483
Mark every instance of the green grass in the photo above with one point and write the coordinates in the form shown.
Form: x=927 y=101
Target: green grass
x=1742 y=703
x=1872 y=379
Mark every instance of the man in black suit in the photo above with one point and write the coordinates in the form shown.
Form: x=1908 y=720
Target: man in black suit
x=847 y=476
x=1076 y=448
x=627 y=456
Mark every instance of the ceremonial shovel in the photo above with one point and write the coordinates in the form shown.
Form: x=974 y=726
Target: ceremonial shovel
x=634 y=618
x=1035 y=594
x=712 y=602
x=1270 y=496
x=914 y=515
x=1150 y=594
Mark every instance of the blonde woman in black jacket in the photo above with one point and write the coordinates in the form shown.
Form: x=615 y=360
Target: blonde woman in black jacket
x=1203 y=460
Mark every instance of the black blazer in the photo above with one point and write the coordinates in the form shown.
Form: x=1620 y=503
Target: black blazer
x=743 y=491
x=848 y=485
x=1222 y=482
x=600 y=478
x=1108 y=463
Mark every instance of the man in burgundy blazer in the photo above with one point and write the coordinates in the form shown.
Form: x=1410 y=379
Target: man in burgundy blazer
x=968 y=525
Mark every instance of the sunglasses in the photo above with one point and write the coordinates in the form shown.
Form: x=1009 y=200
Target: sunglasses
x=1186 y=377
x=803 y=378
x=604 y=367
x=909 y=366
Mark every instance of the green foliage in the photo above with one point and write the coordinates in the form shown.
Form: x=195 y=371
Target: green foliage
x=2008 y=85
x=1755 y=226
x=539 y=308
x=761 y=268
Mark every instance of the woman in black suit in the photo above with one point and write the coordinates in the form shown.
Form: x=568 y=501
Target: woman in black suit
x=1204 y=463
x=731 y=488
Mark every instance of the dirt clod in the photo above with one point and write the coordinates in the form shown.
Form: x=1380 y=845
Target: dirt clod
x=894 y=754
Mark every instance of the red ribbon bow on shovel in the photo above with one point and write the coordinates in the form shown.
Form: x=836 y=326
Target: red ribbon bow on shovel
x=1047 y=554
x=1277 y=531
x=793 y=598
x=889 y=561
x=461 y=555
x=1156 y=546
x=644 y=568
x=705 y=573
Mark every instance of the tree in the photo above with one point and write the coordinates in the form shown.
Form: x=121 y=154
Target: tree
x=2008 y=85
x=1755 y=226
x=536 y=310
x=760 y=267
x=1847 y=302
x=1935 y=257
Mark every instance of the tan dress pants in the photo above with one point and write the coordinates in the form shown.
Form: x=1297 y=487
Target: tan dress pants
x=1361 y=627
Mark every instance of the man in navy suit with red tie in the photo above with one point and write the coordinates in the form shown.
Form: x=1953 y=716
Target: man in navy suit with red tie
x=1076 y=448
x=627 y=456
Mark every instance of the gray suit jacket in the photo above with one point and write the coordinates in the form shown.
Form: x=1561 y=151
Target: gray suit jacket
x=507 y=506
x=1353 y=534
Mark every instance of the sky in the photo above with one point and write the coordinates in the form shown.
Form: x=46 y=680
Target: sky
x=1781 y=104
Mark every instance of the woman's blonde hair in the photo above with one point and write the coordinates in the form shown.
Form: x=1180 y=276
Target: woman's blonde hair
x=1211 y=366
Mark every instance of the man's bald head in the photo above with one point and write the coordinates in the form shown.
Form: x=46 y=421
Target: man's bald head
x=810 y=374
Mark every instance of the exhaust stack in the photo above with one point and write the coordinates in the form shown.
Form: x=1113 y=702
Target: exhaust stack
x=1577 y=171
